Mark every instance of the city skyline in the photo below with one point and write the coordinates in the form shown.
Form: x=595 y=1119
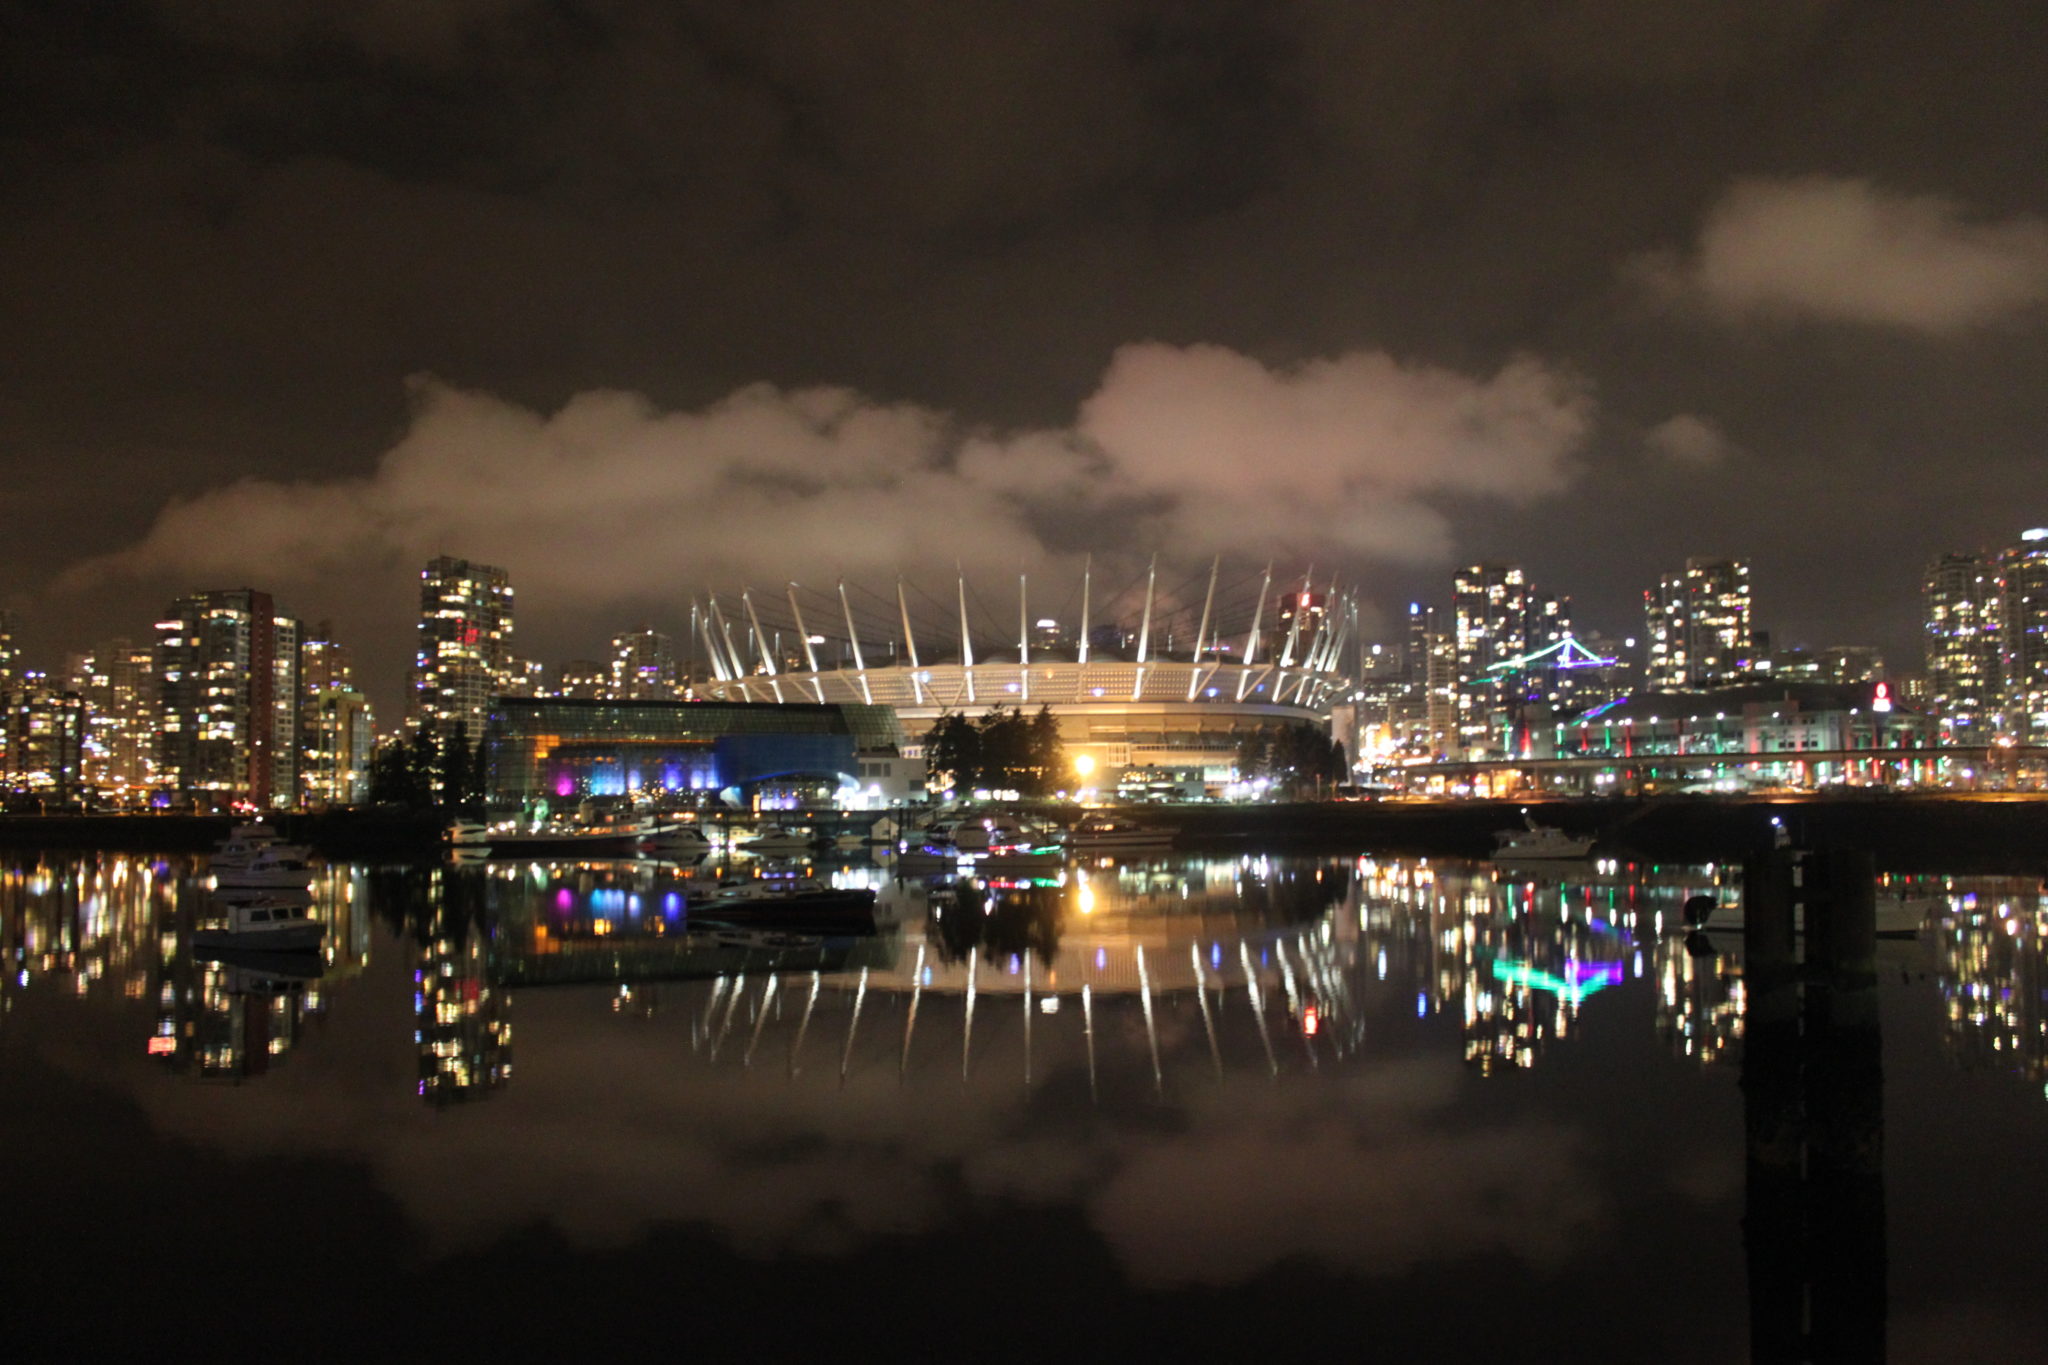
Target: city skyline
x=1592 y=288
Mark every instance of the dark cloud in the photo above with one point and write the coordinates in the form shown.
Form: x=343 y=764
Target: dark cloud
x=230 y=231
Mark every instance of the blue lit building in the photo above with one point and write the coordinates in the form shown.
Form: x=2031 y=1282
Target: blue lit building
x=672 y=752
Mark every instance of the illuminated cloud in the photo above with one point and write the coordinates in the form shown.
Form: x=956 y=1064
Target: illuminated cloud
x=1688 y=442
x=1835 y=249
x=1196 y=449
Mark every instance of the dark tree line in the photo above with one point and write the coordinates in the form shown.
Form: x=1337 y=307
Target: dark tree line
x=1298 y=759
x=1002 y=750
x=427 y=772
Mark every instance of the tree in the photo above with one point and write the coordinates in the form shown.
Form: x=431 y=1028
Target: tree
x=1294 y=758
x=452 y=777
x=1048 y=756
x=952 y=752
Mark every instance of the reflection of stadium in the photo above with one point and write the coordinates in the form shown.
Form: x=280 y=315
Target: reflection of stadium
x=1168 y=685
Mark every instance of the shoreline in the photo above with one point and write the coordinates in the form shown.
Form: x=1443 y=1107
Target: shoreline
x=1998 y=832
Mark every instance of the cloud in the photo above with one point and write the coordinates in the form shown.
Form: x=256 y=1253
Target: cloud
x=1834 y=249
x=1688 y=442
x=611 y=499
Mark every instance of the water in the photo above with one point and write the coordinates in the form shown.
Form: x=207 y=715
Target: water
x=1394 y=1107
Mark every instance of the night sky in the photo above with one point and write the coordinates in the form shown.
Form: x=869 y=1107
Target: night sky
x=644 y=299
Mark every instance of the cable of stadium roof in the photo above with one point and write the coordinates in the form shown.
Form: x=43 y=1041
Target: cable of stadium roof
x=946 y=657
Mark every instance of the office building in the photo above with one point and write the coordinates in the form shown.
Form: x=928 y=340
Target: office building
x=2023 y=607
x=643 y=667
x=42 y=737
x=464 y=648
x=1964 y=647
x=1698 y=626
x=117 y=681
x=227 y=677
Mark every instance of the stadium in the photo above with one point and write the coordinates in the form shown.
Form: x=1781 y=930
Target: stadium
x=1153 y=685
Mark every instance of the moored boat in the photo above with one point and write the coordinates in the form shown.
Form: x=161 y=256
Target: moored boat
x=568 y=839
x=1107 y=832
x=1538 y=842
x=775 y=839
x=277 y=867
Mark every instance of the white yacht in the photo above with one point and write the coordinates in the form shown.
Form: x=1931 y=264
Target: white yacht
x=280 y=865
x=1534 y=841
x=245 y=842
x=1102 y=831
x=775 y=840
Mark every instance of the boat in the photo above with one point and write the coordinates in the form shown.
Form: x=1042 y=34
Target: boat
x=568 y=839
x=1534 y=841
x=265 y=925
x=467 y=834
x=775 y=839
x=1101 y=831
x=279 y=866
x=675 y=841
x=244 y=842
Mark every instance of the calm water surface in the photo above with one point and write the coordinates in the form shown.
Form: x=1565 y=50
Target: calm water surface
x=1401 y=1108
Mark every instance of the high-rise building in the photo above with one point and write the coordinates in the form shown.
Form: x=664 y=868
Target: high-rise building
x=464 y=646
x=42 y=738
x=8 y=658
x=227 y=674
x=335 y=723
x=1965 y=648
x=583 y=680
x=117 y=679
x=339 y=733
x=1698 y=623
x=644 y=666
x=2023 y=609
x=1490 y=613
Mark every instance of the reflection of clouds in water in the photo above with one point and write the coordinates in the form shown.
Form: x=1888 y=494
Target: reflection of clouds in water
x=1348 y=1174
x=611 y=1131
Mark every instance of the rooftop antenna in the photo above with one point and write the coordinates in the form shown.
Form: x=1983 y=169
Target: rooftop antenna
x=1145 y=628
x=762 y=652
x=853 y=638
x=810 y=655
x=1087 y=578
x=1251 y=641
x=1023 y=638
x=910 y=645
x=1202 y=632
x=966 y=644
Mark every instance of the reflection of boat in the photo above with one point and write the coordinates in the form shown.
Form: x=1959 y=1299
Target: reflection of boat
x=274 y=964
x=1022 y=858
x=1104 y=831
x=277 y=866
x=785 y=900
x=249 y=895
x=1539 y=841
x=1895 y=918
x=271 y=925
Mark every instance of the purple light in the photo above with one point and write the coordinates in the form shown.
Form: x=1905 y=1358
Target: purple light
x=565 y=785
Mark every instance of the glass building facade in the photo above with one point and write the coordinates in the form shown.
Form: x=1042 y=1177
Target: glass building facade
x=559 y=749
